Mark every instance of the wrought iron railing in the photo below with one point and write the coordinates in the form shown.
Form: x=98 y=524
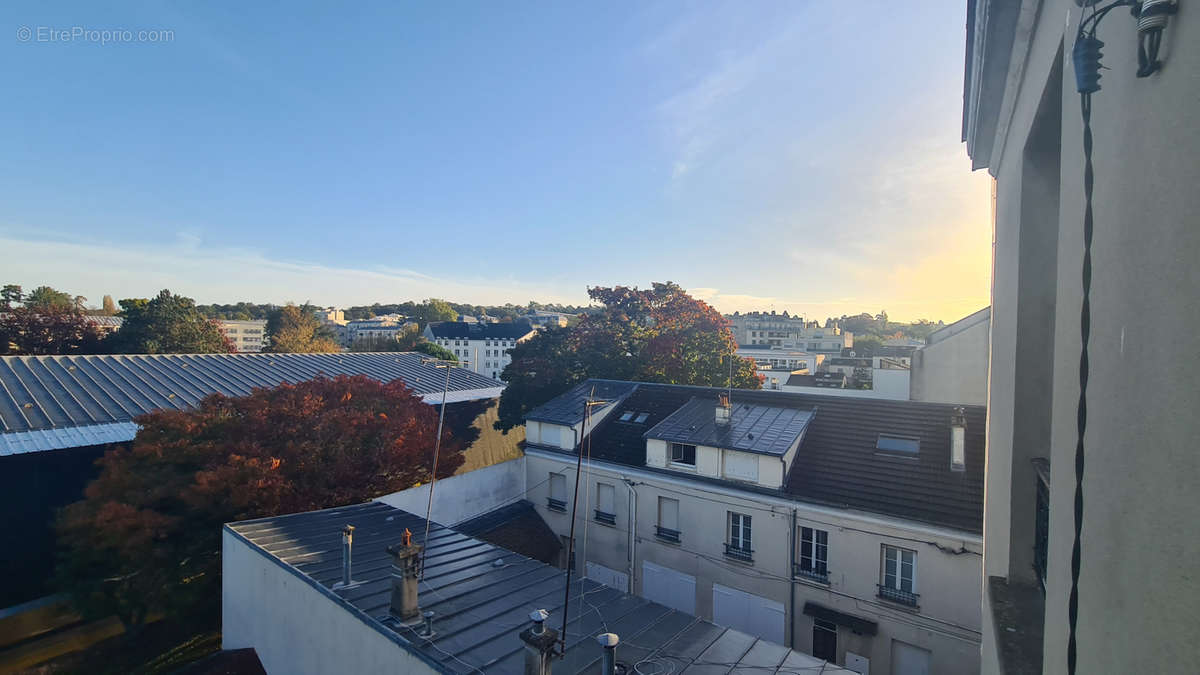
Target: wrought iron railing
x=739 y=553
x=666 y=534
x=605 y=517
x=820 y=574
x=556 y=504
x=898 y=596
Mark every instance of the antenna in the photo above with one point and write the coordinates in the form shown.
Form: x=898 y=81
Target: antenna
x=437 y=448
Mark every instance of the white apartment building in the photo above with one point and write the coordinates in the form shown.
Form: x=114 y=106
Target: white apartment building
x=247 y=336
x=484 y=346
x=953 y=364
x=788 y=332
x=846 y=528
x=384 y=327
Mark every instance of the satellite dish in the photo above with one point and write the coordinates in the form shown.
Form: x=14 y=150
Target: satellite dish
x=852 y=354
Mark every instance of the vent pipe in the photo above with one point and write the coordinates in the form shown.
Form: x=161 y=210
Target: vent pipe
x=427 y=630
x=406 y=566
x=608 y=664
x=539 y=644
x=347 y=549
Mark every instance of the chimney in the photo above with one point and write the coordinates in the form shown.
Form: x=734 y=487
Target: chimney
x=347 y=545
x=723 y=409
x=608 y=666
x=406 y=557
x=539 y=644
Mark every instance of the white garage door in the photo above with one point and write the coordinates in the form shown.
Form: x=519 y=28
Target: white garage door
x=748 y=613
x=608 y=576
x=908 y=659
x=669 y=587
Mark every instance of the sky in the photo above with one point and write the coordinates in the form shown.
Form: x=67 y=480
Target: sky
x=765 y=155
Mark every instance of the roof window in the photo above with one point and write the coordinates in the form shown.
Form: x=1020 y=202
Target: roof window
x=898 y=444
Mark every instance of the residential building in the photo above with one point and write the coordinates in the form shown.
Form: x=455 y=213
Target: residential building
x=246 y=336
x=1091 y=490
x=106 y=324
x=952 y=367
x=59 y=414
x=484 y=347
x=384 y=327
x=360 y=589
x=842 y=527
x=544 y=319
x=790 y=332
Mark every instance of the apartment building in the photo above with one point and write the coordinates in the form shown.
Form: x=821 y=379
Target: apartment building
x=484 y=346
x=246 y=336
x=1091 y=489
x=953 y=364
x=845 y=528
x=790 y=332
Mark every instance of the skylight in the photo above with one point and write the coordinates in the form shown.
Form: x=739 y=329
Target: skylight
x=627 y=415
x=641 y=418
x=899 y=444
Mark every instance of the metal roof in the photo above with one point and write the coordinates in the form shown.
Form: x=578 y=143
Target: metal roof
x=567 y=408
x=479 y=331
x=753 y=427
x=54 y=402
x=481 y=596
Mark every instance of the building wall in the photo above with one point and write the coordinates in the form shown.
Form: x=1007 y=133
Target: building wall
x=487 y=356
x=891 y=383
x=247 y=336
x=465 y=495
x=948 y=578
x=953 y=370
x=1137 y=609
x=295 y=628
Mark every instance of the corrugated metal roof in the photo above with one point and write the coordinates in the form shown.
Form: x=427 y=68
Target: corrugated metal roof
x=753 y=427
x=567 y=408
x=91 y=393
x=482 y=595
x=479 y=331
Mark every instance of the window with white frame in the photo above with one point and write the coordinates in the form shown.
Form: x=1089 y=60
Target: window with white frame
x=558 y=492
x=682 y=453
x=739 y=532
x=898 y=575
x=605 y=504
x=668 y=519
x=814 y=553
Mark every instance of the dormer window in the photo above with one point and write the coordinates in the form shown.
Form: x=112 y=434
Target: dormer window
x=682 y=453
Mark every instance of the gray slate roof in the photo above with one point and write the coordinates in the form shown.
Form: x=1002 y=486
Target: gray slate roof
x=479 y=331
x=567 y=408
x=45 y=401
x=480 y=605
x=761 y=429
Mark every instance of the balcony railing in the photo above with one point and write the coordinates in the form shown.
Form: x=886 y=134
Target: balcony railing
x=738 y=553
x=666 y=534
x=605 y=517
x=556 y=504
x=898 y=596
x=820 y=575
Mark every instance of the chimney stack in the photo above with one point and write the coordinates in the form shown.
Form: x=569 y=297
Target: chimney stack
x=608 y=666
x=723 y=409
x=406 y=560
x=539 y=644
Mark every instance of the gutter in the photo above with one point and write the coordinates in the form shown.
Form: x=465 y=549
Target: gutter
x=629 y=485
x=791 y=638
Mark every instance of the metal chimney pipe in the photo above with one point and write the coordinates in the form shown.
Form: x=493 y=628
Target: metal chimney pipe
x=428 y=630
x=347 y=546
x=539 y=644
x=608 y=663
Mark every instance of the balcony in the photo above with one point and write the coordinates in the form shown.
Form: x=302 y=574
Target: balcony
x=605 y=517
x=738 y=553
x=556 y=504
x=898 y=596
x=666 y=534
x=820 y=575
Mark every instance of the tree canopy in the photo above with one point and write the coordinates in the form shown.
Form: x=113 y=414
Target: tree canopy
x=166 y=324
x=147 y=536
x=298 y=330
x=50 y=330
x=435 y=350
x=44 y=298
x=10 y=295
x=660 y=334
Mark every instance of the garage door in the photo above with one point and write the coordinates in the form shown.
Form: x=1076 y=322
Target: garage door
x=669 y=587
x=908 y=659
x=748 y=613
x=608 y=576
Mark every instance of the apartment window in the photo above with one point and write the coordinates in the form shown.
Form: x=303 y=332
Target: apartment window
x=898 y=444
x=605 y=501
x=739 y=546
x=557 y=501
x=899 y=576
x=682 y=453
x=814 y=555
x=668 y=520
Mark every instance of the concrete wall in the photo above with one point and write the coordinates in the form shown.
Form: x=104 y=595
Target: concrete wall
x=948 y=579
x=465 y=495
x=1137 y=590
x=953 y=370
x=890 y=383
x=295 y=628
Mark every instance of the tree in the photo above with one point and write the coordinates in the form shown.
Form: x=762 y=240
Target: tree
x=44 y=298
x=108 y=307
x=405 y=340
x=298 y=330
x=10 y=295
x=867 y=345
x=435 y=350
x=50 y=330
x=433 y=310
x=167 y=324
x=146 y=538
x=660 y=334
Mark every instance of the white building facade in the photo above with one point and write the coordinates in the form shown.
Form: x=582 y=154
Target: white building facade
x=483 y=346
x=246 y=336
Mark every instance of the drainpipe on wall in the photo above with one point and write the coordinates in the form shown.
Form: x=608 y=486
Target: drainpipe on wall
x=792 y=583
x=632 y=529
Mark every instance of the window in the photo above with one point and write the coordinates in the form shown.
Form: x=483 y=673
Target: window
x=899 y=576
x=558 y=493
x=668 y=520
x=898 y=444
x=814 y=555
x=627 y=415
x=739 y=546
x=682 y=453
x=641 y=418
x=958 y=459
x=605 y=499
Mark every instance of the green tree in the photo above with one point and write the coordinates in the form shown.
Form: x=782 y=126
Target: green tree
x=10 y=295
x=51 y=330
x=660 y=334
x=298 y=330
x=45 y=298
x=867 y=345
x=405 y=340
x=435 y=350
x=108 y=306
x=167 y=324
x=433 y=310
x=147 y=537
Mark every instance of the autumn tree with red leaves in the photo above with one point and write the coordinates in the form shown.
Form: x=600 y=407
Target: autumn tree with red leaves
x=147 y=536
x=658 y=334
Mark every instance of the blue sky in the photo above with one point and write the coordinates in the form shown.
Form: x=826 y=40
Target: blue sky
x=768 y=154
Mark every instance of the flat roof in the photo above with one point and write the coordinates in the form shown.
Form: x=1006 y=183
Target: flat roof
x=45 y=399
x=482 y=595
x=753 y=427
